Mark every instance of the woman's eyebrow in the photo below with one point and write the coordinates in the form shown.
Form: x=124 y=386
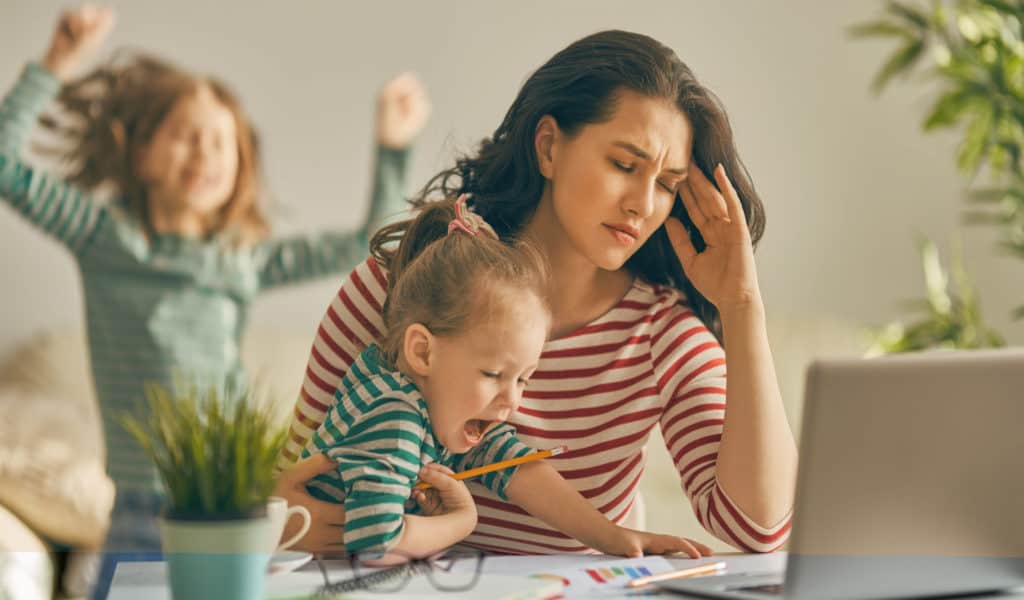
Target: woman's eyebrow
x=641 y=153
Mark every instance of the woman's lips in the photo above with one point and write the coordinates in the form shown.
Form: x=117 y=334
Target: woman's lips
x=625 y=238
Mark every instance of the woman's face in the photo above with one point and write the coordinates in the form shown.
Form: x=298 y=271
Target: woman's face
x=613 y=184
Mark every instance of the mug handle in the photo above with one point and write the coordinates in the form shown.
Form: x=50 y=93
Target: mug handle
x=307 y=521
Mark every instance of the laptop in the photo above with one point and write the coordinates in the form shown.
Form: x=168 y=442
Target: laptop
x=911 y=482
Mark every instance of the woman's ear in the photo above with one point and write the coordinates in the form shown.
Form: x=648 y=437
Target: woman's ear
x=545 y=141
x=417 y=345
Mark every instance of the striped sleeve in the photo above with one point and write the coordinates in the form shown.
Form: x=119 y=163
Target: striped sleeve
x=499 y=443
x=389 y=178
x=304 y=258
x=377 y=449
x=47 y=202
x=54 y=206
x=31 y=94
x=690 y=366
x=352 y=322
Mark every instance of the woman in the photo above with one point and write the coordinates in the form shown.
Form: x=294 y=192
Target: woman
x=604 y=160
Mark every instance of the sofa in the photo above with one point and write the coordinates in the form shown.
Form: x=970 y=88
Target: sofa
x=54 y=493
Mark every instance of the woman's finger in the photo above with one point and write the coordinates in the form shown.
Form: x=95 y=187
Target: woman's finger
x=709 y=198
x=704 y=550
x=697 y=216
x=683 y=545
x=302 y=471
x=731 y=199
x=327 y=523
x=681 y=243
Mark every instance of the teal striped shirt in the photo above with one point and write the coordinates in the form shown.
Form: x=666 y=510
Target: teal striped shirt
x=165 y=308
x=379 y=433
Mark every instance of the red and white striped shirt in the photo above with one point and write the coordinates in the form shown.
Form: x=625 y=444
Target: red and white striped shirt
x=599 y=390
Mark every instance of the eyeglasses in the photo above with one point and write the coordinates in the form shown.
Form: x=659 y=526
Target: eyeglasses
x=452 y=571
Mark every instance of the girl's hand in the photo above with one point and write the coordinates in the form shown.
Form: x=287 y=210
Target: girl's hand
x=79 y=33
x=448 y=495
x=429 y=502
x=724 y=272
x=403 y=108
x=633 y=543
x=327 y=520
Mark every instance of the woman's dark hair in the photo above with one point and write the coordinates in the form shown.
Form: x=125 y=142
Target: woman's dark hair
x=579 y=86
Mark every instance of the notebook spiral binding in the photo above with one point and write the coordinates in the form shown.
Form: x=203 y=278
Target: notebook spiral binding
x=369 y=580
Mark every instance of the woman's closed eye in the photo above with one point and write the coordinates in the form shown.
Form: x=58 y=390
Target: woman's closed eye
x=623 y=166
x=669 y=186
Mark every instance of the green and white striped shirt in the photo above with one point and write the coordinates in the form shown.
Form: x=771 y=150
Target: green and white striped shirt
x=379 y=433
x=162 y=308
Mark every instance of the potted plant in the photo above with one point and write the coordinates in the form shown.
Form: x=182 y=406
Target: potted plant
x=214 y=451
x=972 y=54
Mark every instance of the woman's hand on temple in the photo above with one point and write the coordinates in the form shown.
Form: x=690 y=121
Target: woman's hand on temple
x=78 y=34
x=327 y=519
x=724 y=272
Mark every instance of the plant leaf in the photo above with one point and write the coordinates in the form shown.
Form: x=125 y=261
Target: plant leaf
x=900 y=61
x=879 y=29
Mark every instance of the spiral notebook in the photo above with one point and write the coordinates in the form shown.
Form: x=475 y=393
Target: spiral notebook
x=496 y=587
x=148 y=581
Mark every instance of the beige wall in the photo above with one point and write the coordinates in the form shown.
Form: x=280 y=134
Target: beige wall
x=847 y=178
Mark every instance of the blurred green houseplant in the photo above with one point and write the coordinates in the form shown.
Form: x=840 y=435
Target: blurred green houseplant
x=214 y=450
x=952 y=319
x=973 y=50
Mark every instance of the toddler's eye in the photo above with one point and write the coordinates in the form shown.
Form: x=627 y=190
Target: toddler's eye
x=490 y=374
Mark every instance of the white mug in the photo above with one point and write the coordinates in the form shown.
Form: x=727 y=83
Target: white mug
x=278 y=512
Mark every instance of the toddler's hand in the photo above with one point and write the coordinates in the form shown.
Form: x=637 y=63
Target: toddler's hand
x=79 y=33
x=429 y=501
x=403 y=108
x=633 y=543
x=448 y=495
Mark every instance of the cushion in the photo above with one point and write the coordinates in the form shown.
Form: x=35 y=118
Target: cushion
x=52 y=474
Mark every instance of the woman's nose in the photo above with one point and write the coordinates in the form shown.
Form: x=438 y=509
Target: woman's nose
x=640 y=200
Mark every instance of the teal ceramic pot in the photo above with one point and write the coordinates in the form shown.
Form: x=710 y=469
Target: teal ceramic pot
x=216 y=560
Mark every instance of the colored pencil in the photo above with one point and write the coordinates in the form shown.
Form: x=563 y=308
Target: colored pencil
x=471 y=473
x=710 y=569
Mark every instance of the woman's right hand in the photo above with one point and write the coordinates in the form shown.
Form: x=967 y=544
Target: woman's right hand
x=80 y=31
x=327 y=519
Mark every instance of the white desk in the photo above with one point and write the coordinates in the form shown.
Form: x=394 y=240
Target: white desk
x=147 y=580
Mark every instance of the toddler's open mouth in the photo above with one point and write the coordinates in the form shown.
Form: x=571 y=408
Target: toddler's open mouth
x=474 y=430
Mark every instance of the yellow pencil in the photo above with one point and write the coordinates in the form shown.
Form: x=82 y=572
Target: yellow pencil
x=697 y=571
x=471 y=473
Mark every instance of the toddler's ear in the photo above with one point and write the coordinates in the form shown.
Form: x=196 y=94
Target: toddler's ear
x=416 y=348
